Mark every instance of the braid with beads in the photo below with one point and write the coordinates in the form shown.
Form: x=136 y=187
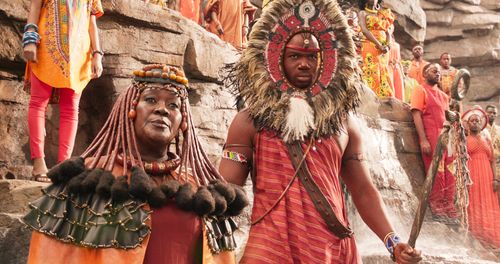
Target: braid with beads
x=118 y=136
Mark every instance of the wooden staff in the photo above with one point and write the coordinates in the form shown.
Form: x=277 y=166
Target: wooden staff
x=451 y=117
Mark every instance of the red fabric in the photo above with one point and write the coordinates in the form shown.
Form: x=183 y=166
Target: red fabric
x=483 y=210
x=181 y=233
x=68 y=120
x=294 y=232
x=443 y=191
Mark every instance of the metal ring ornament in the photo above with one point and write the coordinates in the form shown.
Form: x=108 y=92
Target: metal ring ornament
x=458 y=93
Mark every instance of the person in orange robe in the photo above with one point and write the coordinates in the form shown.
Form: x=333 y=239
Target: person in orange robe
x=128 y=198
x=417 y=64
x=229 y=20
x=484 y=209
x=375 y=48
x=395 y=68
x=428 y=105
x=448 y=73
x=409 y=83
x=60 y=65
x=191 y=9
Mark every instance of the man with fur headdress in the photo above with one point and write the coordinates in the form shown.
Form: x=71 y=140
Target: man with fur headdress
x=299 y=82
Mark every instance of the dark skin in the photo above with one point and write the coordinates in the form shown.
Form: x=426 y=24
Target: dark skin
x=432 y=77
x=157 y=122
x=418 y=53
x=445 y=61
x=354 y=173
x=492 y=114
x=301 y=67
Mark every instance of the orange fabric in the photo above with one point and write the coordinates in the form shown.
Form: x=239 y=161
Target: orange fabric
x=375 y=64
x=415 y=71
x=418 y=98
x=395 y=71
x=447 y=77
x=44 y=249
x=191 y=9
x=294 y=231
x=484 y=209
x=65 y=53
x=231 y=17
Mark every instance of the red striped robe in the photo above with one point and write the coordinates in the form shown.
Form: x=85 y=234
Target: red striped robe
x=294 y=232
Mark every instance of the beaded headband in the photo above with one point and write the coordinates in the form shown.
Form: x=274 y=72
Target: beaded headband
x=483 y=117
x=172 y=77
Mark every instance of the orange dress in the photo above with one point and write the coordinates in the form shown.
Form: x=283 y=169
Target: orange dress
x=231 y=17
x=191 y=9
x=483 y=210
x=415 y=71
x=65 y=53
x=179 y=239
x=375 y=64
x=396 y=72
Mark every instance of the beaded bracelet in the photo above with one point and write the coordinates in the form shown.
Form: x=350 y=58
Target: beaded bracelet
x=234 y=156
x=31 y=25
x=30 y=37
x=390 y=241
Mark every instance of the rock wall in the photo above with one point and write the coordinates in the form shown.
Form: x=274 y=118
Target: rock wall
x=470 y=31
x=133 y=34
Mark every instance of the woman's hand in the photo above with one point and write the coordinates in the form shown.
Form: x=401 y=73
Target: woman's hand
x=425 y=147
x=96 y=66
x=30 y=52
x=404 y=253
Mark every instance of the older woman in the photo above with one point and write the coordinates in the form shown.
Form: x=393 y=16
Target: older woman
x=484 y=210
x=131 y=199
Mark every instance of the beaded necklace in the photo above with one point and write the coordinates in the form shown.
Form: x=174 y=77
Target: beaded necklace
x=156 y=167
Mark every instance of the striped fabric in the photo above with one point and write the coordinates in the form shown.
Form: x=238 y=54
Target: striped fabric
x=294 y=231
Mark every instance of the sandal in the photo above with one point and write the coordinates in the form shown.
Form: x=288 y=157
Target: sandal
x=42 y=178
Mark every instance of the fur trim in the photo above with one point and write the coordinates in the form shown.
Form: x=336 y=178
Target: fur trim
x=220 y=202
x=119 y=189
x=251 y=80
x=140 y=184
x=75 y=184
x=226 y=190
x=90 y=182
x=299 y=120
x=105 y=182
x=239 y=203
x=184 y=197
x=157 y=198
x=170 y=188
x=203 y=201
x=66 y=170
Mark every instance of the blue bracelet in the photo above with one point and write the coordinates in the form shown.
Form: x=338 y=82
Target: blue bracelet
x=390 y=241
x=30 y=25
x=30 y=37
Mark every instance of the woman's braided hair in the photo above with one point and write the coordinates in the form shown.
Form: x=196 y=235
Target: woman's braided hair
x=117 y=137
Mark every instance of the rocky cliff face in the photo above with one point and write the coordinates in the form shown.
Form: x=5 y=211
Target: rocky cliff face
x=133 y=34
x=470 y=31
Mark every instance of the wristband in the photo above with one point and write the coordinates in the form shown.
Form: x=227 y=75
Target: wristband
x=390 y=241
x=98 y=52
x=30 y=37
x=31 y=25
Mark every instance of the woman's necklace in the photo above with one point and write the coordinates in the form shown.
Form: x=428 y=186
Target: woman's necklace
x=372 y=11
x=156 y=167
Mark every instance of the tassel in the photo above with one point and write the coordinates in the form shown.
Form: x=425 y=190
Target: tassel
x=299 y=120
